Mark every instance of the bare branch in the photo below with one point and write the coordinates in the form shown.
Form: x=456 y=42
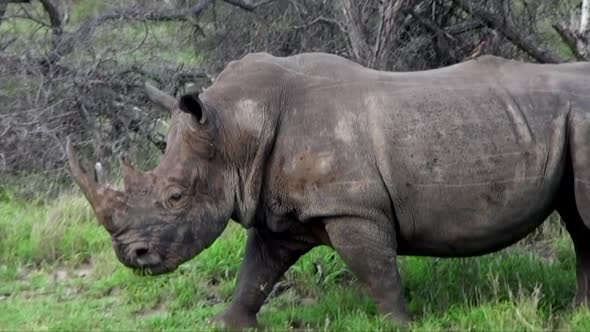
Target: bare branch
x=137 y=13
x=389 y=11
x=325 y=20
x=505 y=27
x=3 y=7
x=54 y=19
x=8 y=43
x=463 y=27
x=570 y=39
x=247 y=4
x=585 y=19
x=353 y=23
x=28 y=17
x=432 y=26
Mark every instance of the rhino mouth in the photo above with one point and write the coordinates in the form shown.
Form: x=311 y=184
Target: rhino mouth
x=152 y=265
x=143 y=259
x=153 y=270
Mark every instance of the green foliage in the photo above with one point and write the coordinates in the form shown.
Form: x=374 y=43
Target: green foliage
x=58 y=272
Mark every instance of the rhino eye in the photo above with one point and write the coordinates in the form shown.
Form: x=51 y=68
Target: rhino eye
x=175 y=197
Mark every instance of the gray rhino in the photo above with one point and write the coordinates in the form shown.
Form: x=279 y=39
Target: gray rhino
x=314 y=149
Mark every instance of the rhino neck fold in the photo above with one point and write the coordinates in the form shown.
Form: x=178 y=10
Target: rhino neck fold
x=250 y=108
x=250 y=178
x=250 y=173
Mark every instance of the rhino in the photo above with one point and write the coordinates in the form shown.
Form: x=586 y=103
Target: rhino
x=314 y=149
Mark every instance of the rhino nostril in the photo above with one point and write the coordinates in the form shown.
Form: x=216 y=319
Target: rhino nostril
x=138 y=251
x=141 y=252
x=141 y=255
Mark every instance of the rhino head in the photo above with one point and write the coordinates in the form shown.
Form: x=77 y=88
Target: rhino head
x=168 y=215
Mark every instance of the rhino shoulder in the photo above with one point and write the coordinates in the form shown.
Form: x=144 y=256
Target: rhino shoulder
x=319 y=65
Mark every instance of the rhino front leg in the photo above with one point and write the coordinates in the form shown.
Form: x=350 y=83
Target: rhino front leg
x=369 y=249
x=267 y=258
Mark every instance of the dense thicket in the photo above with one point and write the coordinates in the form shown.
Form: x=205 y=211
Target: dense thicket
x=77 y=67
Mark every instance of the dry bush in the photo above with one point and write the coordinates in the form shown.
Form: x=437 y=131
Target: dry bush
x=78 y=67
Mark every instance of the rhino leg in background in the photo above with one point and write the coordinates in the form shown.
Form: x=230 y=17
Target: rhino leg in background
x=580 y=235
x=369 y=250
x=575 y=209
x=267 y=258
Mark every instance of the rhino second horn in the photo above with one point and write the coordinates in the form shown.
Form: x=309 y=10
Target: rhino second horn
x=160 y=97
x=99 y=173
x=131 y=176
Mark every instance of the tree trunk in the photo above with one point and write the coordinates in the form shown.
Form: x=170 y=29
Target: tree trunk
x=585 y=20
x=511 y=32
x=584 y=34
x=353 y=25
x=389 y=12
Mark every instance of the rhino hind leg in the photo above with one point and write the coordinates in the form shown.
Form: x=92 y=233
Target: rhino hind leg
x=574 y=204
x=369 y=251
x=580 y=235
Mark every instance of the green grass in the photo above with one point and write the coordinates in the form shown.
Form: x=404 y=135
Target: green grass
x=58 y=272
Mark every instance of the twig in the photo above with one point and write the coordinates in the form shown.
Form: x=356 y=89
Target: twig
x=570 y=39
x=247 y=5
x=324 y=20
x=8 y=43
x=511 y=33
x=430 y=25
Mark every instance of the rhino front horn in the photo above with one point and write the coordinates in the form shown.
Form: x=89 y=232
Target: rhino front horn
x=103 y=200
x=160 y=97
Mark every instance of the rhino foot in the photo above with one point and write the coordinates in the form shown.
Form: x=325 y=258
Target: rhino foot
x=231 y=320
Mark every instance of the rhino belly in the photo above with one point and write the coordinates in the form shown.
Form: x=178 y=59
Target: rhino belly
x=472 y=218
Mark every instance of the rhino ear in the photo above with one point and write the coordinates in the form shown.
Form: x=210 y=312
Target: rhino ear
x=191 y=104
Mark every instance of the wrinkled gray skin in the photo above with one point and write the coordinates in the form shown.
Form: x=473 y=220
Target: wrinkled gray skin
x=315 y=150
